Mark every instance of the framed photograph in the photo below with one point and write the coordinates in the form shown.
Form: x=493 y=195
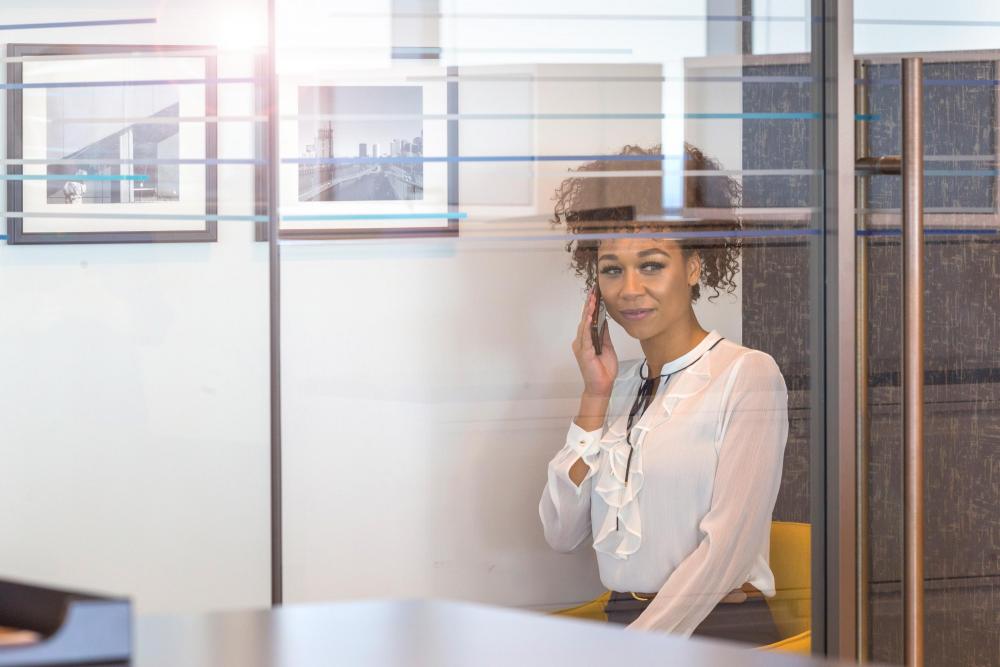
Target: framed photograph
x=111 y=144
x=369 y=154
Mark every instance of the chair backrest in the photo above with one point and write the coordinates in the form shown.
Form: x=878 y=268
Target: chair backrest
x=791 y=606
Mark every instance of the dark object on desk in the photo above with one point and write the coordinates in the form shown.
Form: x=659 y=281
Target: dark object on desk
x=419 y=633
x=74 y=627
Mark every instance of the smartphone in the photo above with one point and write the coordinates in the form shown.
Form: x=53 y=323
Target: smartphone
x=598 y=321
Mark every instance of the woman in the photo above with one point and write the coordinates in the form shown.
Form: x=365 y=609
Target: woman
x=672 y=463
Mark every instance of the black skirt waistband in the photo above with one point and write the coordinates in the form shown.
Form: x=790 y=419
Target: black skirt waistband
x=749 y=622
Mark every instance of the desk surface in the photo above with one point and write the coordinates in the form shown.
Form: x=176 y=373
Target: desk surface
x=412 y=633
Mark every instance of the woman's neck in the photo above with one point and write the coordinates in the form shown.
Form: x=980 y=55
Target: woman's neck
x=672 y=343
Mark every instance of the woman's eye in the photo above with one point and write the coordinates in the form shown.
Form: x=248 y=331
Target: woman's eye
x=651 y=266
x=610 y=270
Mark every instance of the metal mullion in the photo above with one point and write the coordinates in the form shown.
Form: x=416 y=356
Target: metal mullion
x=833 y=455
x=863 y=426
x=274 y=301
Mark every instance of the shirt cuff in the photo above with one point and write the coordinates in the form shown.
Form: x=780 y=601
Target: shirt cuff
x=584 y=443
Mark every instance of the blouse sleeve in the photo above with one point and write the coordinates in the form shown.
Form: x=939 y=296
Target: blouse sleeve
x=753 y=430
x=565 y=507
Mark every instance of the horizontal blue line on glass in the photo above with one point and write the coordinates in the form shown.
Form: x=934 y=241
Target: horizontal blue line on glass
x=928 y=22
x=753 y=116
x=140 y=161
x=620 y=79
x=576 y=17
x=740 y=79
x=437 y=50
x=937 y=231
x=73 y=24
x=3 y=237
x=930 y=82
x=120 y=84
x=477 y=158
x=140 y=216
x=472 y=158
x=749 y=115
x=376 y=216
x=961 y=172
x=369 y=160
x=661 y=170
x=73 y=177
x=751 y=233
x=927 y=209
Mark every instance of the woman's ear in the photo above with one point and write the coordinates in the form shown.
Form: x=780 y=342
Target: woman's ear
x=693 y=269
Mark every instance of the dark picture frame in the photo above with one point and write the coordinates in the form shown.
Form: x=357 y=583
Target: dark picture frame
x=450 y=225
x=16 y=230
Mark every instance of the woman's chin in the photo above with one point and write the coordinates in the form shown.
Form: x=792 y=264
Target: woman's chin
x=640 y=331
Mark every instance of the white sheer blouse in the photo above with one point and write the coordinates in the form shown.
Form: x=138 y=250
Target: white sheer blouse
x=692 y=522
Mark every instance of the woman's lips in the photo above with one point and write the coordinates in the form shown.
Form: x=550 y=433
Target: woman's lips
x=636 y=313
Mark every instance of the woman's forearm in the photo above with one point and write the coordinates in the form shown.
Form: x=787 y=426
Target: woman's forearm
x=589 y=417
x=593 y=409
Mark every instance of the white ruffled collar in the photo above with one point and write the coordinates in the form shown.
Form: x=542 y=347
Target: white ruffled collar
x=620 y=533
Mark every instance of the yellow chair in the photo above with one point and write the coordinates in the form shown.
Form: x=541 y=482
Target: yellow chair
x=591 y=611
x=791 y=605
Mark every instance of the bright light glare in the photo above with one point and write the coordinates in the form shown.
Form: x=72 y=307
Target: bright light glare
x=240 y=31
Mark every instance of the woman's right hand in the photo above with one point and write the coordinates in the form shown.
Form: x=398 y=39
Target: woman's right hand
x=599 y=370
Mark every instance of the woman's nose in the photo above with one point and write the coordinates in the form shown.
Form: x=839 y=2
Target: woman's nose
x=632 y=285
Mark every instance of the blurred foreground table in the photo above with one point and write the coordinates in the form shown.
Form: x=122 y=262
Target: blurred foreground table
x=412 y=633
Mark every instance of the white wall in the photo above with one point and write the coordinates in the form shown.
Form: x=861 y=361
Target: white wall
x=134 y=439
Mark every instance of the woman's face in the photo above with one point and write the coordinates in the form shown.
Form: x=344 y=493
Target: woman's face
x=646 y=283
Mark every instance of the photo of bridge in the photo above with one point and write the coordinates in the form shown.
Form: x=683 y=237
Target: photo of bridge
x=360 y=157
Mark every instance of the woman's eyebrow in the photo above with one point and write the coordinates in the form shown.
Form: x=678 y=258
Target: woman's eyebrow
x=642 y=253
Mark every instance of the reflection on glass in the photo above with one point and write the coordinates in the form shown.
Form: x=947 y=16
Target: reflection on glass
x=672 y=464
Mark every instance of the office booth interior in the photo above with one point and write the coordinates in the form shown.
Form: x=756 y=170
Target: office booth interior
x=288 y=310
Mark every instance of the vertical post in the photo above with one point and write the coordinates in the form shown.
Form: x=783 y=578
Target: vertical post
x=747 y=21
x=833 y=456
x=913 y=361
x=863 y=428
x=274 y=291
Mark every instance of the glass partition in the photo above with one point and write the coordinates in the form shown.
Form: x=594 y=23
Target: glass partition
x=438 y=159
x=454 y=181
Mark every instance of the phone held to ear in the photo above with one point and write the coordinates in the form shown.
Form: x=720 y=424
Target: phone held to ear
x=598 y=321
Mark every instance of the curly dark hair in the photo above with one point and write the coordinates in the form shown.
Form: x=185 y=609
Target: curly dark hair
x=595 y=205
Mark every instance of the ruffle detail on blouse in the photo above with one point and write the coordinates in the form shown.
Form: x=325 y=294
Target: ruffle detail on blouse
x=690 y=381
x=619 y=496
x=620 y=533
